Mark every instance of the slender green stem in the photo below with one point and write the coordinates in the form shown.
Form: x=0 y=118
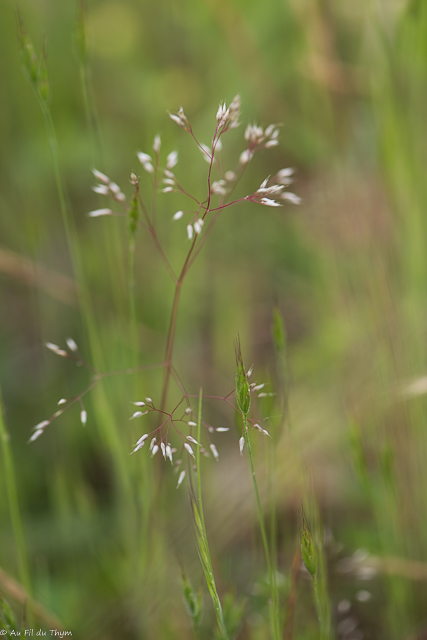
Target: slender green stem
x=206 y=561
x=272 y=577
x=91 y=112
x=323 y=633
x=132 y=301
x=13 y=500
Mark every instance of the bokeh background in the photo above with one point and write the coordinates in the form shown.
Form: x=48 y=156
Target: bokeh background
x=103 y=534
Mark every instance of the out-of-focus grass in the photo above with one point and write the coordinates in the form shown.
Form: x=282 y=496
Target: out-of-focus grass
x=347 y=271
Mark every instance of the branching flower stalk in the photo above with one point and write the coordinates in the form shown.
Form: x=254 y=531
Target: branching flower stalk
x=163 y=178
x=203 y=217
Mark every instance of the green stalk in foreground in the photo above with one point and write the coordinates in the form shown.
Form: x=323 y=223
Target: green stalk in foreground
x=202 y=539
x=15 y=514
x=243 y=397
x=310 y=559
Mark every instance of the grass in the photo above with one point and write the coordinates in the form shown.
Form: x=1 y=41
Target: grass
x=328 y=300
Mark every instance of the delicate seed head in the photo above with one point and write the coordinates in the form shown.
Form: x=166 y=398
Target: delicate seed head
x=241 y=445
x=137 y=414
x=83 y=417
x=99 y=212
x=54 y=347
x=192 y=424
x=152 y=443
x=169 y=452
x=189 y=231
x=180 y=479
x=163 y=448
x=36 y=435
x=142 y=438
x=245 y=156
x=214 y=451
x=138 y=446
x=101 y=189
x=198 y=225
x=146 y=161
x=144 y=157
x=41 y=425
x=172 y=160
x=188 y=410
x=270 y=203
x=221 y=429
x=189 y=449
x=291 y=197
x=154 y=450
x=101 y=176
x=157 y=144
x=178 y=215
x=62 y=401
x=191 y=439
x=149 y=400
x=72 y=345
x=138 y=404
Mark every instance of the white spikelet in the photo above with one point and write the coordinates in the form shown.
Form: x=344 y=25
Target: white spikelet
x=241 y=445
x=214 y=451
x=180 y=479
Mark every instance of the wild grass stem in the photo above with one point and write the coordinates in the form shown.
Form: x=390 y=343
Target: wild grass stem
x=14 y=508
x=202 y=535
x=271 y=576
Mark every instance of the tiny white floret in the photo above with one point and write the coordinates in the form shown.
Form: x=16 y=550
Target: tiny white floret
x=291 y=197
x=36 y=435
x=189 y=231
x=178 y=215
x=54 y=347
x=181 y=475
x=101 y=176
x=214 y=451
x=198 y=225
x=71 y=344
x=189 y=449
x=83 y=417
x=99 y=212
x=137 y=414
x=157 y=143
x=172 y=159
x=245 y=156
x=102 y=189
x=191 y=439
x=241 y=445
x=41 y=425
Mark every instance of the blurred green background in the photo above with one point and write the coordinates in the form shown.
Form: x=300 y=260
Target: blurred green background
x=104 y=534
